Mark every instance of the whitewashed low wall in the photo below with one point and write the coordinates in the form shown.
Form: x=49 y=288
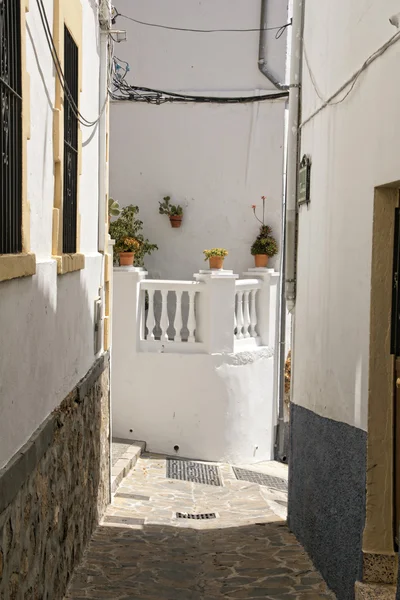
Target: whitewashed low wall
x=208 y=398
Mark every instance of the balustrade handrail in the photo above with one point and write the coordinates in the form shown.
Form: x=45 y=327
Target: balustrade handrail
x=248 y=284
x=169 y=284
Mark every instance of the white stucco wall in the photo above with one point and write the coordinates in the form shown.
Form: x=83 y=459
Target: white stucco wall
x=214 y=160
x=353 y=147
x=214 y=407
x=46 y=321
x=213 y=403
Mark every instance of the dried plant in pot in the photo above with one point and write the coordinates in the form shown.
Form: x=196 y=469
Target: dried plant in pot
x=265 y=245
x=173 y=211
x=216 y=257
x=262 y=249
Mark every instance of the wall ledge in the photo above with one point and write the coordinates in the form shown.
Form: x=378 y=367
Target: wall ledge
x=13 y=266
x=68 y=263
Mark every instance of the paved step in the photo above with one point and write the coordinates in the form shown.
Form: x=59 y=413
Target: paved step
x=375 y=591
x=124 y=455
x=164 y=538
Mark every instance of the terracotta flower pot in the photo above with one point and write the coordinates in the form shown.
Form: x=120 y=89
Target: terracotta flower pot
x=216 y=262
x=126 y=259
x=261 y=260
x=176 y=220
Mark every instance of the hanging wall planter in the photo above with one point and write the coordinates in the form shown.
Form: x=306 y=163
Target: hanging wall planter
x=175 y=220
x=173 y=211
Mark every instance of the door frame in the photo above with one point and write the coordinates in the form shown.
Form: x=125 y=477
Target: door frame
x=378 y=538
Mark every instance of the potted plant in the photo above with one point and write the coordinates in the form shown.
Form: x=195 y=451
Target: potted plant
x=126 y=248
x=265 y=244
x=262 y=249
x=174 y=211
x=126 y=230
x=113 y=208
x=216 y=257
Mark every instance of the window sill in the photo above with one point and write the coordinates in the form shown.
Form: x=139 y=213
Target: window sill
x=68 y=263
x=17 y=265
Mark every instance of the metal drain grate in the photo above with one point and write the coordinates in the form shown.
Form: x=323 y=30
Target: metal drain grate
x=199 y=517
x=187 y=470
x=275 y=483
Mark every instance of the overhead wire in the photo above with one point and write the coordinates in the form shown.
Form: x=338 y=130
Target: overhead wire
x=60 y=74
x=192 y=30
x=349 y=82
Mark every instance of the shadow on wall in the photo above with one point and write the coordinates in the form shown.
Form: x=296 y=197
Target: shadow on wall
x=48 y=324
x=47 y=518
x=255 y=561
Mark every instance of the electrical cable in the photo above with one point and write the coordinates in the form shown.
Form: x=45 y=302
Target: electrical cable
x=315 y=85
x=158 y=25
x=82 y=120
x=126 y=92
x=351 y=81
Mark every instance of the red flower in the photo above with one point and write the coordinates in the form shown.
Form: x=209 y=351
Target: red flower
x=263 y=198
x=253 y=206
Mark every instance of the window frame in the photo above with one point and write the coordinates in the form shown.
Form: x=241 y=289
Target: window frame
x=67 y=14
x=23 y=262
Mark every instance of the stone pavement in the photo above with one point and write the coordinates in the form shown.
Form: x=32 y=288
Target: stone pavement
x=142 y=551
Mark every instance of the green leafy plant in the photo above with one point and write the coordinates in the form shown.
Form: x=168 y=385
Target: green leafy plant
x=215 y=252
x=266 y=246
x=128 y=226
x=113 y=208
x=172 y=210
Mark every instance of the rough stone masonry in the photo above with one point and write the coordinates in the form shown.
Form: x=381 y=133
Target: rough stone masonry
x=54 y=491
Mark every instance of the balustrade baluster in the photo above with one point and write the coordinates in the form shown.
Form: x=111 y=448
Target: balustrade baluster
x=253 y=313
x=150 y=323
x=239 y=315
x=191 y=323
x=246 y=314
x=178 y=317
x=235 y=320
x=164 y=321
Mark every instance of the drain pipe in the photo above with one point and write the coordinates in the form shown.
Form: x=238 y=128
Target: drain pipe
x=280 y=437
x=288 y=262
x=293 y=152
x=292 y=161
x=262 y=49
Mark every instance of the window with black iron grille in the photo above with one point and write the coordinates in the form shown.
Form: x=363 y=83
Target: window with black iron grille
x=10 y=128
x=70 y=143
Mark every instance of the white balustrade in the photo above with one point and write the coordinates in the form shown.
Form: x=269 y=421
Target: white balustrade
x=215 y=313
x=246 y=310
x=171 y=318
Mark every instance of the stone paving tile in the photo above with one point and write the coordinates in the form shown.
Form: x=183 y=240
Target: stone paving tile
x=118 y=450
x=246 y=552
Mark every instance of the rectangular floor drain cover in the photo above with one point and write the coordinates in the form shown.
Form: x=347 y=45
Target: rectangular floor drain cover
x=187 y=470
x=276 y=483
x=200 y=516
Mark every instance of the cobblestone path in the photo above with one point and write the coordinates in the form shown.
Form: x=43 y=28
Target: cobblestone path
x=142 y=551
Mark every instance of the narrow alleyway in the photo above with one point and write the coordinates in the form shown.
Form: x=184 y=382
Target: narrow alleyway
x=242 y=548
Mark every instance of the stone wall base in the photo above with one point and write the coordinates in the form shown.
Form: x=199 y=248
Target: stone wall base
x=54 y=491
x=327 y=476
